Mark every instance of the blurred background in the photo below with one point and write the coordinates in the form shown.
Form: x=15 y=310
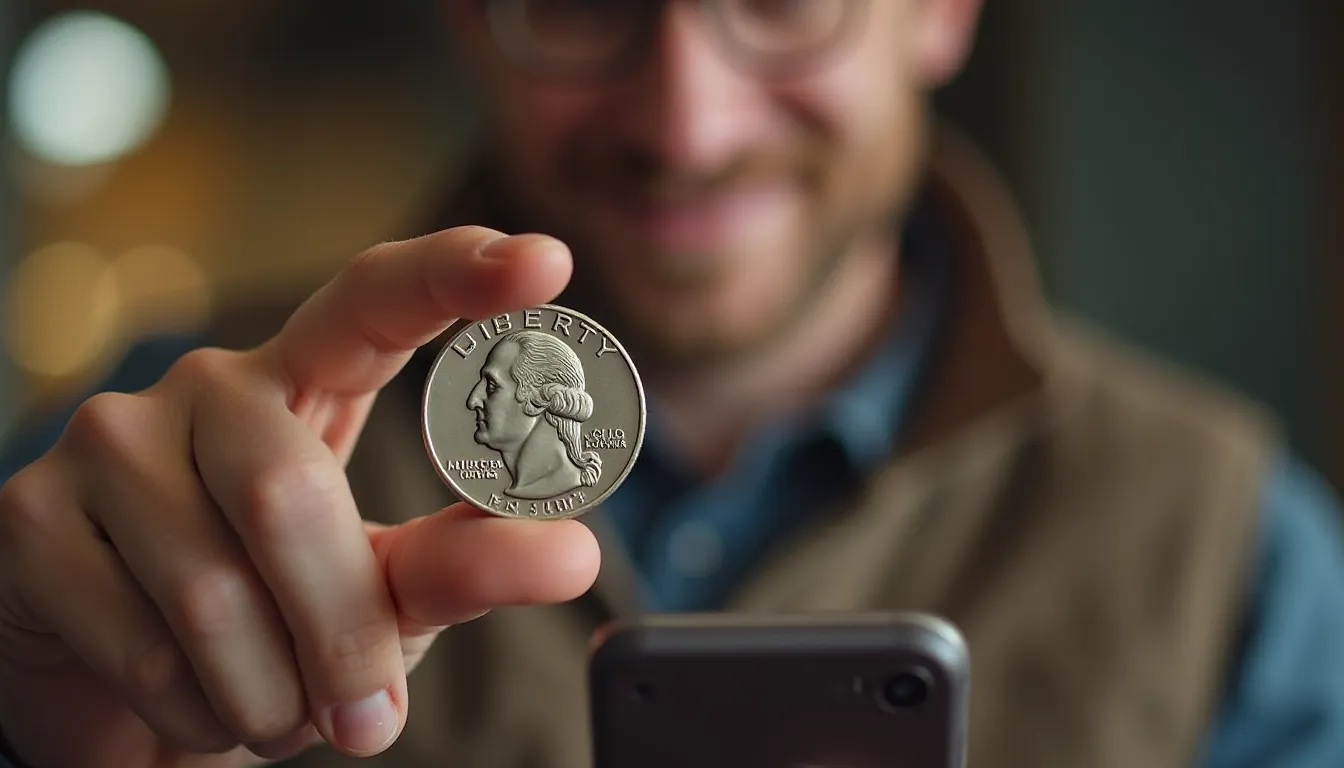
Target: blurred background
x=1181 y=166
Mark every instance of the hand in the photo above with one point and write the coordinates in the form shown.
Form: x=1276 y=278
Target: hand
x=184 y=577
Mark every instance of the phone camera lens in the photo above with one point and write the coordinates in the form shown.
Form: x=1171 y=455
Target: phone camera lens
x=906 y=690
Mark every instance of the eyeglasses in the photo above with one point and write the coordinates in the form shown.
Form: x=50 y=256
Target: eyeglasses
x=600 y=38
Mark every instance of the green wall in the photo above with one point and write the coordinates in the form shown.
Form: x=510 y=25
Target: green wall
x=1172 y=159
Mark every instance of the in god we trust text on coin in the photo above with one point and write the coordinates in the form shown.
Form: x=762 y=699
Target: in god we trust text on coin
x=537 y=413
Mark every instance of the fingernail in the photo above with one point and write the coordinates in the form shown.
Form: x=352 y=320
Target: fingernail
x=365 y=726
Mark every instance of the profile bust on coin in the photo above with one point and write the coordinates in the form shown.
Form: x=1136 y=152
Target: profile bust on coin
x=529 y=405
x=554 y=413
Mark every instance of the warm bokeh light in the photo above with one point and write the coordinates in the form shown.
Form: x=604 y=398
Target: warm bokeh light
x=161 y=288
x=61 y=310
x=86 y=88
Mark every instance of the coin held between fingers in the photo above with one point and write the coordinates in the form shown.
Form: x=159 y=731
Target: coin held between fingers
x=537 y=413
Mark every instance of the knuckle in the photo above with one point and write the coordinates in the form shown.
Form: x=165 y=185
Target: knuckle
x=120 y=439
x=292 y=499
x=213 y=604
x=214 y=608
x=157 y=673
x=159 y=677
x=359 y=653
x=106 y=424
x=207 y=365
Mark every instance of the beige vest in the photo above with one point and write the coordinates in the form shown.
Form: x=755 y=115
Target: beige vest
x=1084 y=514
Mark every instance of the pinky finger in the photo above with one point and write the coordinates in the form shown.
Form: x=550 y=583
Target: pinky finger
x=79 y=589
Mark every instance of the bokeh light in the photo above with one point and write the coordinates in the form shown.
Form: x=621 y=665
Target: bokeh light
x=61 y=310
x=161 y=288
x=86 y=88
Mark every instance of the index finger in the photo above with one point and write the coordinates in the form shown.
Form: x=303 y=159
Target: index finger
x=357 y=331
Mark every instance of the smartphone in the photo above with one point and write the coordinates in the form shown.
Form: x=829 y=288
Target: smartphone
x=811 y=691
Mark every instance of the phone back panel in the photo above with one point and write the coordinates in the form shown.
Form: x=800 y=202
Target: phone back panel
x=803 y=692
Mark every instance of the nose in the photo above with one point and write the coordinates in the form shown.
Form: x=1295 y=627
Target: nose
x=693 y=109
x=476 y=398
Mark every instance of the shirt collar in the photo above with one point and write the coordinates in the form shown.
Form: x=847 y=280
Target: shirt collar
x=864 y=415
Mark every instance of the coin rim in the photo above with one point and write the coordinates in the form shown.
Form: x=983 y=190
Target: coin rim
x=458 y=326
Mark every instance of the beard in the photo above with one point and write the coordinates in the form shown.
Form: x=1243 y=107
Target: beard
x=691 y=308
x=688 y=339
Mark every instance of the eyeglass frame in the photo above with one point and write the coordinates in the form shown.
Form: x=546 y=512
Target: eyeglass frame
x=512 y=42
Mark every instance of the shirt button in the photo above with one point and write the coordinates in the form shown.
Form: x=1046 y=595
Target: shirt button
x=695 y=549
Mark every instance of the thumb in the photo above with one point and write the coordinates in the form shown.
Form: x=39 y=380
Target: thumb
x=458 y=563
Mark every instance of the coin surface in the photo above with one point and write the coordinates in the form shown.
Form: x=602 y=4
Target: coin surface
x=537 y=413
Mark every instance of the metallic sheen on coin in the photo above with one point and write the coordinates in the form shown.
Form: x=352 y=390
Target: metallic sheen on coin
x=537 y=413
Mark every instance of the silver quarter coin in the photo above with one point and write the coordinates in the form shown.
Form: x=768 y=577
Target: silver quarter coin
x=537 y=413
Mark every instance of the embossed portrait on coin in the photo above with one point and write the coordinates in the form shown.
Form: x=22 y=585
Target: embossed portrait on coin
x=529 y=405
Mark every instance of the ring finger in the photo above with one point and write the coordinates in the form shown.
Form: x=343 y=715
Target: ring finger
x=160 y=519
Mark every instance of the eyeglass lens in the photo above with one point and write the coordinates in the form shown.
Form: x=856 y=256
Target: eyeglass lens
x=575 y=34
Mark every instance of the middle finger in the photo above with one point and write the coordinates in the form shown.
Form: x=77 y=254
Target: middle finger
x=286 y=495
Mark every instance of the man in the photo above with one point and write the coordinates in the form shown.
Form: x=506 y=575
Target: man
x=529 y=403
x=856 y=401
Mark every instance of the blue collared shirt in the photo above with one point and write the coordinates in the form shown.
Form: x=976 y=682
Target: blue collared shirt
x=694 y=542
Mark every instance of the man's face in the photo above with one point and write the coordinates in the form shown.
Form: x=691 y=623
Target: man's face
x=706 y=204
x=500 y=421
